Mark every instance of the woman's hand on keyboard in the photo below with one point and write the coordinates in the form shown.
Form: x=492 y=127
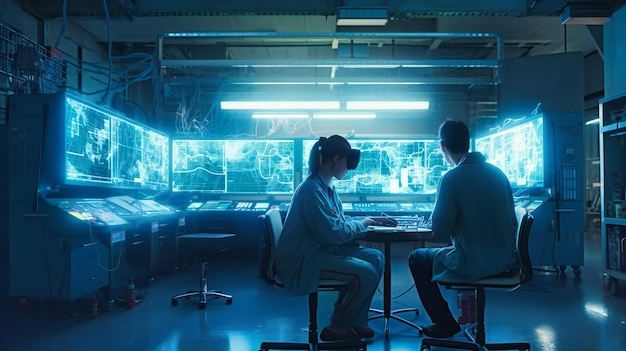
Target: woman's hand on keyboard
x=384 y=221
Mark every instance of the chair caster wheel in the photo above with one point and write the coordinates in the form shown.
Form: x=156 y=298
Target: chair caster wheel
x=202 y=305
x=229 y=301
x=174 y=302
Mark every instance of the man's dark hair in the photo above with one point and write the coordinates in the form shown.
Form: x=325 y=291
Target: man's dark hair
x=455 y=136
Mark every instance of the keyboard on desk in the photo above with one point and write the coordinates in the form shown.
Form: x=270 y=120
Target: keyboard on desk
x=397 y=229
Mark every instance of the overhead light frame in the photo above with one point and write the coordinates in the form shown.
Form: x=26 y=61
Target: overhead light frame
x=279 y=115
x=362 y=16
x=279 y=105
x=586 y=13
x=340 y=115
x=387 y=105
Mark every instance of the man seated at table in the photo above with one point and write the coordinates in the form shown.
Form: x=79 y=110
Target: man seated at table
x=475 y=210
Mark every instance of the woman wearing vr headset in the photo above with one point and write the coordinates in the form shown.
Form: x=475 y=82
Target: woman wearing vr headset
x=319 y=242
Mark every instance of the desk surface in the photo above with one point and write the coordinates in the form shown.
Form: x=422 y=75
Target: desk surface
x=397 y=234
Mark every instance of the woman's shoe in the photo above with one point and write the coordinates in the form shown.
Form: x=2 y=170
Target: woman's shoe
x=329 y=335
x=364 y=331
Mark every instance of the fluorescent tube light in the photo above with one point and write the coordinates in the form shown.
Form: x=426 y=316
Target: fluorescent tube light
x=345 y=115
x=354 y=16
x=281 y=115
x=592 y=121
x=387 y=105
x=279 y=105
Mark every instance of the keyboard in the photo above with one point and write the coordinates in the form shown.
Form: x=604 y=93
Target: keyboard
x=397 y=229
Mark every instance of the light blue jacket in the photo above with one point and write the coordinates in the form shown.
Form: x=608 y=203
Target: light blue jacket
x=315 y=227
x=474 y=208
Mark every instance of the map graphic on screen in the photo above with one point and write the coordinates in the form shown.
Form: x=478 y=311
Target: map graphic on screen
x=233 y=166
x=518 y=152
x=198 y=165
x=107 y=150
x=140 y=156
x=259 y=166
x=87 y=144
x=390 y=167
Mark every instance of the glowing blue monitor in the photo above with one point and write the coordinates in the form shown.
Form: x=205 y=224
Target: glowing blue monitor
x=104 y=149
x=391 y=167
x=518 y=150
x=198 y=165
x=88 y=150
x=233 y=166
x=140 y=156
x=260 y=166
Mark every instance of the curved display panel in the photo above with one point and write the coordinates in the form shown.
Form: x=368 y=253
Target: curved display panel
x=140 y=156
x=198 y=165
x=233 y=166
x=518 y=150
x=103 y=149
x=390 y=167
x=87 y=145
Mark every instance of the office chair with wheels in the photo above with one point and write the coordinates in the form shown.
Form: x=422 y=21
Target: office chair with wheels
x=273 y=226
x=510 y=279
x=197 y=239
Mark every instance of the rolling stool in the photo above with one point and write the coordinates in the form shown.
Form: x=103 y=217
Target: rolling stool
x=204 y=291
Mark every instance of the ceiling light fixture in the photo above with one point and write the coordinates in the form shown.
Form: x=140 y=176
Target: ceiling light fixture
x=280 y=115
x=366 y=16
x=586 y=13
x=364 y=115
x=279 y=105
x=387 y=105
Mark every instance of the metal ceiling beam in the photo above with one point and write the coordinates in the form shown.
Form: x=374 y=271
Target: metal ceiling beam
x=355 y=82
x=398 y=9
x=468 y=69
x=350 y=64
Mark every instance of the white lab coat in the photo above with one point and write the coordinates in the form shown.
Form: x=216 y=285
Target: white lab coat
x=475 y=209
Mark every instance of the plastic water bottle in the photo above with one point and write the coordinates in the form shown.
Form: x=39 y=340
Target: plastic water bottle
x=130 y=294
x=466 y=301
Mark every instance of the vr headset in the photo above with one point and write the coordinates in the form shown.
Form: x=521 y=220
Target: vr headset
x=353 y=158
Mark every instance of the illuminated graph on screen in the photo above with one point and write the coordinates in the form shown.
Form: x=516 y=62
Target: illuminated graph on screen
x=127 y=153
x=140 y=156
x=391 y=167
x=198 y=165
x=233 y=166
x=87 y=144
x=518 y=152
x=259 y=166
x=156 y=160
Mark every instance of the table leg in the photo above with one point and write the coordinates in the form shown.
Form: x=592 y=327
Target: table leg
x=386 y=312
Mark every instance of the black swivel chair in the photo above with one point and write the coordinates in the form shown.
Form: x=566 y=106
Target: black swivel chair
x=510 y=279
x=273 y=226
x=198 y=240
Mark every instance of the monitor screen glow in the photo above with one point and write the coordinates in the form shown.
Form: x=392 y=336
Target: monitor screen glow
x=518 y=151
x=103 y=149
x=88 y=158
x=233 y=166
x=390 y=167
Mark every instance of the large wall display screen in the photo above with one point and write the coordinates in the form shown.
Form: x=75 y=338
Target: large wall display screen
x=87 y=145
x=391 y=167
x=102 y=149
x=233 y=166
x=140 y=156
x=518 y=151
